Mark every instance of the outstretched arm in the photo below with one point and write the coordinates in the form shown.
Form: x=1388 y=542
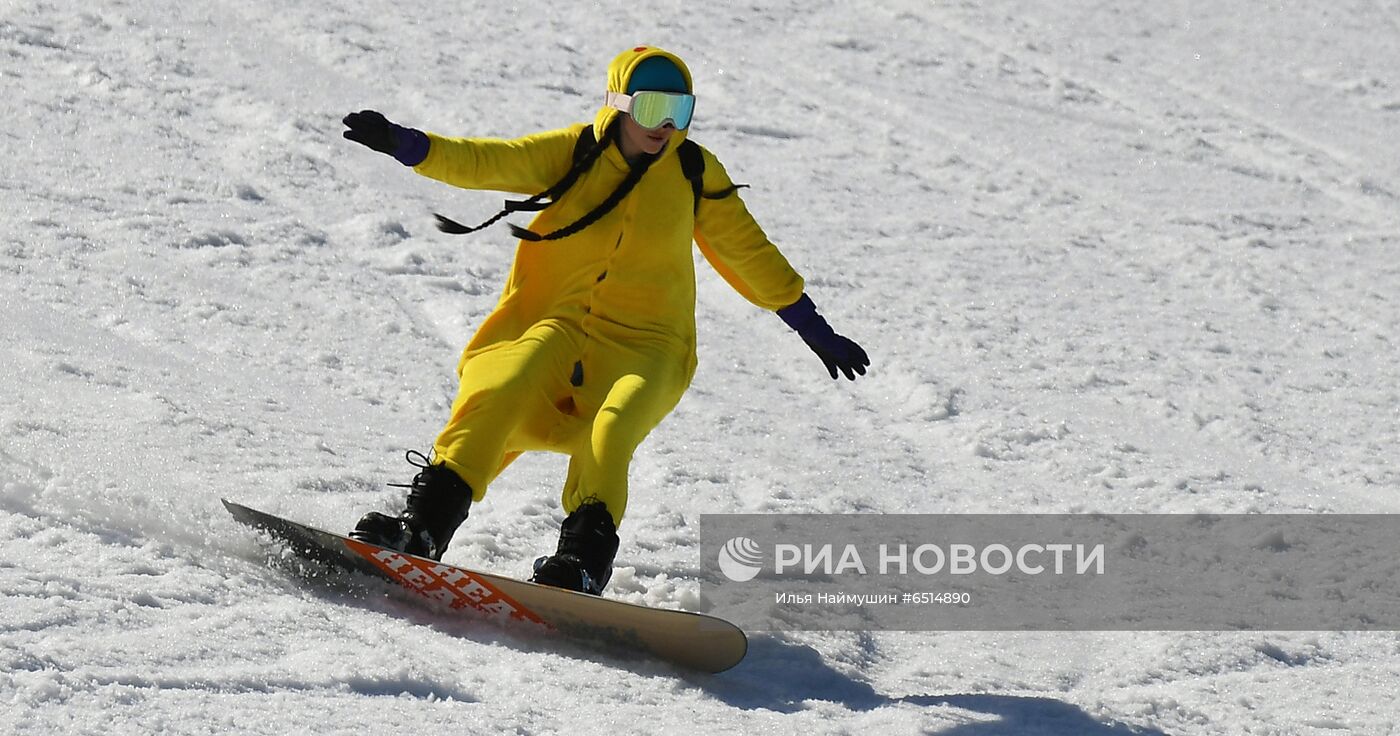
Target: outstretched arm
x=523 y=165
x=737 y=247
x=740 y=251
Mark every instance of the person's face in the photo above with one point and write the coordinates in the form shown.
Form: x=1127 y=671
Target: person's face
x=636 y=139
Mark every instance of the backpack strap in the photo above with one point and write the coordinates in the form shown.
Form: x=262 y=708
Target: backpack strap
x=692 y=160
x=693 y=166
x=585 y=143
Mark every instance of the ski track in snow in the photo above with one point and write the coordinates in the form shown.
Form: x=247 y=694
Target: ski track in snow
x=1125 y=259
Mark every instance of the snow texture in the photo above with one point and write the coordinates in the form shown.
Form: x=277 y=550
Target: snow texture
x=1127 y=258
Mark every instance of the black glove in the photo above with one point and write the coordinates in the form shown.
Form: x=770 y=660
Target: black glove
x=371 y=129
x=837 y=352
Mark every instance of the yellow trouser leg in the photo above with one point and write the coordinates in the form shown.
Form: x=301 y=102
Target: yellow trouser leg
x=634 y=403
x=506 y=393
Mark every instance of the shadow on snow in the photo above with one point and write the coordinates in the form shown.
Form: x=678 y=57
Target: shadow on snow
x=782 y=676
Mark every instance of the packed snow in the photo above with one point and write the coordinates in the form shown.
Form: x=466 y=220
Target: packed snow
x=1106 y=257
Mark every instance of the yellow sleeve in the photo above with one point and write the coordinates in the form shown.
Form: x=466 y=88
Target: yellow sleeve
x=737 y=247
x=527 y=165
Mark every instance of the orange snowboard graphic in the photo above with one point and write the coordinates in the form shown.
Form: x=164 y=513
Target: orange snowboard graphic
x=454 y=586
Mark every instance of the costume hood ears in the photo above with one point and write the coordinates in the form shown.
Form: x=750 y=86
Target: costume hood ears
x=620 y=76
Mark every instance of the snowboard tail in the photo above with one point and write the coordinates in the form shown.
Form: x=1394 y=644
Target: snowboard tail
x=687 y=639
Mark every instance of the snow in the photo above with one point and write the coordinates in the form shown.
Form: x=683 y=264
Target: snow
x=1125 y=258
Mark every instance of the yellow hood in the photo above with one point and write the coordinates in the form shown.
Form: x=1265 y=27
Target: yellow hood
x=620 y=73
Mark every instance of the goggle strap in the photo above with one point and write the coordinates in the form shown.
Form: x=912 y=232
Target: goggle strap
x=619 y=101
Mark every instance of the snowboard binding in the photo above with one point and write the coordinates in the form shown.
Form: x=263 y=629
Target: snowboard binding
x=438 y=502
x=583 y=560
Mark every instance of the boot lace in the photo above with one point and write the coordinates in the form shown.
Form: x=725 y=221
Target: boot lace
x=424 y=465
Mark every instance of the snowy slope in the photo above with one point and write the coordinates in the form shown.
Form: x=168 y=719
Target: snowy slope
x=1132 y=257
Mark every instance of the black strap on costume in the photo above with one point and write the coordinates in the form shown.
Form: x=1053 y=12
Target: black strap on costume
x=634 y=175
x=693 y=167
x=584 y=156
x=587 y=149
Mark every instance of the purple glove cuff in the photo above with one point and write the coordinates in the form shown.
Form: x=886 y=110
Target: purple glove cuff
x=410 y=145
x=801 y=315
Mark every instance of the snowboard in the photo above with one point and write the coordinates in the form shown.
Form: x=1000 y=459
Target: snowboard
x=690 y=640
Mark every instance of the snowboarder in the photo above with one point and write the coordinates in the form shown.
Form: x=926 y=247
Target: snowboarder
x=593 y=341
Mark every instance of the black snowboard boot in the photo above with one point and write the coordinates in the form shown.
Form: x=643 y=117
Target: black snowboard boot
x=437 y=504
x=583 y=561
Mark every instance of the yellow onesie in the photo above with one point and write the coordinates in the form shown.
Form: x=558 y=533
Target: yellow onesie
x=593 y=341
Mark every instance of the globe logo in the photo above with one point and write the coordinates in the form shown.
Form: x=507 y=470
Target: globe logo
x=740 y=559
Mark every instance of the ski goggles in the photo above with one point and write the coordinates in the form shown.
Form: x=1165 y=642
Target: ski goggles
x=651 y=110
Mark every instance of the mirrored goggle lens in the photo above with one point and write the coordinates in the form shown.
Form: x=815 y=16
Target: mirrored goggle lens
x=652 y=109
